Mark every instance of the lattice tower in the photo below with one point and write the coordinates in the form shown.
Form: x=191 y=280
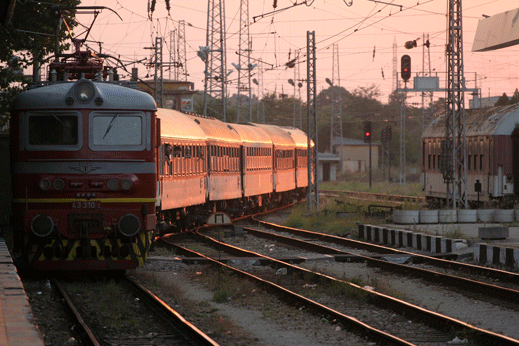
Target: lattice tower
x=395 y=66
x=159 y=73
x=336 y=114
x=454 y=148
x=244 y=113
x=215 y=64
x=181 y=52
x=313 y=184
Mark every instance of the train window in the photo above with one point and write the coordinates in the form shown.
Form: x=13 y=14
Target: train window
x=121 y=130
x=53 y=129
x=187 y=151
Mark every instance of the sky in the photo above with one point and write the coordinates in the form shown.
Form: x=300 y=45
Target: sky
x=364 y=31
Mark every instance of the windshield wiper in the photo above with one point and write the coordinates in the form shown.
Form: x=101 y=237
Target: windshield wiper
x=110 y=125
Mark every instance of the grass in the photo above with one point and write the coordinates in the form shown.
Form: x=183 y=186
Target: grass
x=379 y=184
x=340 y=215
x=336 y=216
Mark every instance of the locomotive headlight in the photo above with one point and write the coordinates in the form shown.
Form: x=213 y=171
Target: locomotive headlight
x=129 y=225
x=112 y=184
x=42 y=225
x=58 y=184
x=45 y=184
x=84 y=92
x=126 y=184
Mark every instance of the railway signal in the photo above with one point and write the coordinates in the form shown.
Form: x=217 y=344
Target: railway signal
x=367 y=131
x=389 y=132
x=405 y=65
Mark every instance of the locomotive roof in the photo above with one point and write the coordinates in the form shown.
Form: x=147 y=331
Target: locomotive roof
x=252 y=134
x=215 y=129
x=114 y=96
x=174 y=124
x=480 y=121
x=279 y=136
x=298 y=136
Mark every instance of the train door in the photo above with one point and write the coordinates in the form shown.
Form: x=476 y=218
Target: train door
x=326 y=171
x=243 y=155
x=499 y=188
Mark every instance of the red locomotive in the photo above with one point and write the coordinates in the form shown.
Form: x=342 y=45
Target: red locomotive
x=98 y=170
x=84 y=176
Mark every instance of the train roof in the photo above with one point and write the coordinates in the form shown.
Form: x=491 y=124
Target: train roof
x=252 y=134
x=279 y=136
x=217 y=130
x=299 y=136
x=480 y=121
x=177 y=125
x=113 y=96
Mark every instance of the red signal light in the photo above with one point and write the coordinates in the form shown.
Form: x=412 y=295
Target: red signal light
x=367 y=131
x=405 y=64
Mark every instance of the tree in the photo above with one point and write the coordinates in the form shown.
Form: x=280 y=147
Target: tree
x=502 y=101
x=28 y=41
x=515 y=97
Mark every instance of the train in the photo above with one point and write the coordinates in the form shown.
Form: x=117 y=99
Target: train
x=98 y=171
x=492 y=162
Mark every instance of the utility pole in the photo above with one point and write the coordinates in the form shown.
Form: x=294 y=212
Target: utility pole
x=173 y=54
x=426 y=71
x=159 y=73
x=313 y=183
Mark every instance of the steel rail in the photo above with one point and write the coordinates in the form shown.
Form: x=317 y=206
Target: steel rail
x=352 y=324
x=379 y=196
x=425 y=316
x=490 y=290
x=194 y=333
x=502 y=275
x=86 y=333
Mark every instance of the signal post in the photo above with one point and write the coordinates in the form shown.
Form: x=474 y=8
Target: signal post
x=367 y=139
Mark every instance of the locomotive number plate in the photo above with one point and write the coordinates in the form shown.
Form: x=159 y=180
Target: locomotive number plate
x=86 y=205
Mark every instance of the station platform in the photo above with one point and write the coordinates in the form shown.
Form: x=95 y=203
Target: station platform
x=17 y=327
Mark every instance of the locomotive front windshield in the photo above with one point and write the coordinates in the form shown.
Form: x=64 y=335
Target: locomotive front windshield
x=117 y=129
x=53 y=129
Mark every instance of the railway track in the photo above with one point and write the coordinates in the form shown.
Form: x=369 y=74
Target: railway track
x=440 y=325
x=152 y=322
x=446 y=271
x=397 y=199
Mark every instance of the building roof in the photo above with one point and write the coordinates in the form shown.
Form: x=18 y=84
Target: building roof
x=352 y=142
x=479 y=122
x=327 y=157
